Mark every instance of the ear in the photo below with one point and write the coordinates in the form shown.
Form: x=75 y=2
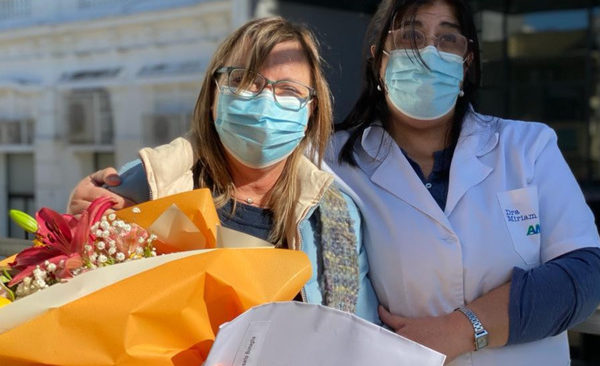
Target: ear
x=468 y=60
x=373 y=48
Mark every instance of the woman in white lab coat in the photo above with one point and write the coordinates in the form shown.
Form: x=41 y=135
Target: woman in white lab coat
x=479 y=239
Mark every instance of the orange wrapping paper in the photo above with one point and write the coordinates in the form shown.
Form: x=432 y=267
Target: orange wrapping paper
x=167 y=315
x=198 y=207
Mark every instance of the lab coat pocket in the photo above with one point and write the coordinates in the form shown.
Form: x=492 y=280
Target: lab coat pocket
x=520 y=210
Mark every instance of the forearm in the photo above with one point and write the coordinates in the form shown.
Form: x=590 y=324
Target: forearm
x=538 y=303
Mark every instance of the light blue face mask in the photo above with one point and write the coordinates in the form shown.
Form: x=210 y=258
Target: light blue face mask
x=423 y=93
x=256 y=131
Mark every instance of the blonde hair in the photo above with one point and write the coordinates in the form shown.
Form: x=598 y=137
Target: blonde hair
x=255 y=40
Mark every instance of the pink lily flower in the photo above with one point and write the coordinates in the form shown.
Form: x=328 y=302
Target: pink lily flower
x=64 y=238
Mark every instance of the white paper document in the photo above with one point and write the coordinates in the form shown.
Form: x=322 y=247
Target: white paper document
x=298 y=334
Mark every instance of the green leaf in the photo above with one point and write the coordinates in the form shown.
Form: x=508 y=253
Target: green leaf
x=10 y=292
x=6 y=275
x=25 y=221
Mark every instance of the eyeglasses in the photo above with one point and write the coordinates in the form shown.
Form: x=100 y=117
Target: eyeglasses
x=288 y=94
x=451 y=42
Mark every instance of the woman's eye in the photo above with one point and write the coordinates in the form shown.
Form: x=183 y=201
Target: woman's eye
x=449 y=38
x=288 y=90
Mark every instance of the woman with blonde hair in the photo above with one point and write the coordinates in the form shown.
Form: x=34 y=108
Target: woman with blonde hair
x=263 y=105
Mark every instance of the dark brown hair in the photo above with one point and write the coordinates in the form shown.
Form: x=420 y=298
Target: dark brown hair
x=371 y=105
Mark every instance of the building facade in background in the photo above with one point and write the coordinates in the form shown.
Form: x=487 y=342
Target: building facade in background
x=85 y=83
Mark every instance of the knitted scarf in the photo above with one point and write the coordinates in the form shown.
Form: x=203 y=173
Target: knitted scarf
x=339 y=280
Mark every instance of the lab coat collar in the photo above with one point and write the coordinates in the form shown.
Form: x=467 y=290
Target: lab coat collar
x=389 y=168
x=477 y=138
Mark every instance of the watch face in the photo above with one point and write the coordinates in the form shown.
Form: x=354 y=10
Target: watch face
x=481 y=342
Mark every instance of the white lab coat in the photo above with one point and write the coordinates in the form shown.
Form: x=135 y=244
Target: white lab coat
x=512 y=201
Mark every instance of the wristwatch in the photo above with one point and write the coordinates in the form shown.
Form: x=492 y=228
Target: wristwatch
x=481 y=335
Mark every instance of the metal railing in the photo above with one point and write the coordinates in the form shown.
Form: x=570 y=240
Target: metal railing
x=10 y=9
x=22 y=13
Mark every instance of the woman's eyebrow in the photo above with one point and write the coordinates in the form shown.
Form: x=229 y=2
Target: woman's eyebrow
x=417 y=23
x=450 y=25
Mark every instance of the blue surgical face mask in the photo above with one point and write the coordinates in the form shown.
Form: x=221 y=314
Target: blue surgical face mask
x=256 y=131
x=424 y=93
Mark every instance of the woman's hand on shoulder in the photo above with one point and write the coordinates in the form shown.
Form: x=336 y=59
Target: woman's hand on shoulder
x=92 y=187
x=449 y=334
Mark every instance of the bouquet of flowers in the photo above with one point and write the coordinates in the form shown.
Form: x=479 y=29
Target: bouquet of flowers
x=66 y=246
x=99 y=284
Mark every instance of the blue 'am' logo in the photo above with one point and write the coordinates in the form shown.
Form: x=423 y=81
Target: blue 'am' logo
x=533 y=230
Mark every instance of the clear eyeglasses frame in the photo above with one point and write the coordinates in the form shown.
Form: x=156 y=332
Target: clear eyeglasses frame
x=288 y=94
x=410 y=38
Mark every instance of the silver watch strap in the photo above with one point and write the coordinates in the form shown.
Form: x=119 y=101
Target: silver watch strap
x=480 y=332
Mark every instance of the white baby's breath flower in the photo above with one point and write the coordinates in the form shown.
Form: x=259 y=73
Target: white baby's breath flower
x=105 y=234
x=37 y=271
x=51 y=267
x=99 y=233
x=39 y=274
x=104 y=225
x=139 y=250
x=112 y=217
x=120 y=257
x=87 y=247
x=112 y=250
x=136 y=210
x=27 y=281
x=102 y=258
x=100 y=245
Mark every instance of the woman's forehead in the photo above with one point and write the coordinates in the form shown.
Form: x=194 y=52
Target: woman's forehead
x=438 y=15
x=283 y=52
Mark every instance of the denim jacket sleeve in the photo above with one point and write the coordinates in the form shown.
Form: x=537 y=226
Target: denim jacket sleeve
x=367 y=302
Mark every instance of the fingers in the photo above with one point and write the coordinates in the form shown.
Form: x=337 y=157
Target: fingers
x=108 y=176
x=90 y=188
x=393 y=321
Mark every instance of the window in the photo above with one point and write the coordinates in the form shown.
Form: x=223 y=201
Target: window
x=160 y=129
x=540 y=63
x=16 y=132
x=89 y=117
x=20 y=188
